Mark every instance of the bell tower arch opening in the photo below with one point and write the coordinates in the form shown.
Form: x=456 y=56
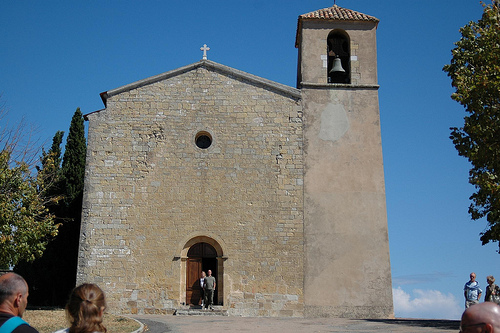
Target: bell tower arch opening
x=338 y=48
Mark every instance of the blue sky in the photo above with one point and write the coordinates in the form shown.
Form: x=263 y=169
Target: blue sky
x=56 y=56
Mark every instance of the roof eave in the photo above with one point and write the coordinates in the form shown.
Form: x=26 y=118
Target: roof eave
x=86 y=116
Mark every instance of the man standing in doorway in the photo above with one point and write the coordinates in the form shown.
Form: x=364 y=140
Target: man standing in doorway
x=209 y=287
x=472 y=292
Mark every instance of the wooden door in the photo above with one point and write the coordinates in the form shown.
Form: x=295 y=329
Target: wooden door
x=201 y=256
x=193 y=294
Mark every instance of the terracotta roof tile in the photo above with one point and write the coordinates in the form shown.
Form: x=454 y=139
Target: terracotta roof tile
x=338 y=13
x=332 y=13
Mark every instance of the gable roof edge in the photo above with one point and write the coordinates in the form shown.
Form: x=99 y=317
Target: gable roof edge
x=293 y=92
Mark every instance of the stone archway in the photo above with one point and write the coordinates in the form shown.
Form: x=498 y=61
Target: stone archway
x=201 y=257
x=200 y=253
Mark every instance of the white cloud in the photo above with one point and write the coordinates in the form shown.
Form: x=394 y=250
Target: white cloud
x=426 y=304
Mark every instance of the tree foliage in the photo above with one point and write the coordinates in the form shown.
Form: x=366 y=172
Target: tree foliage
x=73 y=165
x=475 y=74
x=52 y=277
x=26 y=226
x=73 y=172
x=50 y=170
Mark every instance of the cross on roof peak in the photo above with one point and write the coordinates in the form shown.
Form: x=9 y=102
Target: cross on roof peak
x=205 y=48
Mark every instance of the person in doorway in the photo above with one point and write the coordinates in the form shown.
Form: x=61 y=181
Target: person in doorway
x=484 y=317
x=202 y=284
x=209 y=287
x=492 y=290
x=13 y=302
x=472 y=292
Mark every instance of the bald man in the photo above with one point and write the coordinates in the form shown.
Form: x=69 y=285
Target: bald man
x=13 y=302
x=209 y=287
x=483 y=317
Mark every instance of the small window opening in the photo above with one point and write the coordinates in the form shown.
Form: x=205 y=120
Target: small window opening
x=203 y=140
x=338 y=58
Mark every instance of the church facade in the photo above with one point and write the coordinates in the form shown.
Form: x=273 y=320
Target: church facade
x=279 y=191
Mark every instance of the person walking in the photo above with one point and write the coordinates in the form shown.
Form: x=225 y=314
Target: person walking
x=492 y=290
x=472 y=292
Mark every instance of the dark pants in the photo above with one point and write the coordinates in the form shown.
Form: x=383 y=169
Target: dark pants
x=209 y=298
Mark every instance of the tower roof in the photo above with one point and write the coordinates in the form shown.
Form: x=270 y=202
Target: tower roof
x=334 y=13
x=338 y=13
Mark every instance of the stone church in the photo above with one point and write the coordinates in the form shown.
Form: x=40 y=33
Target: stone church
x=279 y=191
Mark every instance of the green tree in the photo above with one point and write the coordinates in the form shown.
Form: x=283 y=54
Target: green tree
x=26 y=226
x=50 y=170
x=73 y=165
x=54 y=275
x=44 y=273
x=475 y=74
x=72 y=173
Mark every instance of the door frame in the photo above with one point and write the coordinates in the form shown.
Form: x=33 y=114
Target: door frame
x=204 y=258
x=218 y=245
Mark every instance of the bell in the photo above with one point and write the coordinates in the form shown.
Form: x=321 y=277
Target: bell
x=337 y=66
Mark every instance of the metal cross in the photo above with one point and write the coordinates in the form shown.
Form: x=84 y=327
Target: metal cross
x=205 y=48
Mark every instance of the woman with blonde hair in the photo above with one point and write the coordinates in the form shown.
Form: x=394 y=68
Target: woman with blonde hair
x=85 y=309
x=492 y=290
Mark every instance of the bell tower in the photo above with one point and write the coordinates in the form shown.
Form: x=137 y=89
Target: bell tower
x=347 y=263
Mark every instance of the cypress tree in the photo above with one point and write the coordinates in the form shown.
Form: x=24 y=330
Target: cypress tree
x=73 y=165
x=72 y=174
x=54 y=275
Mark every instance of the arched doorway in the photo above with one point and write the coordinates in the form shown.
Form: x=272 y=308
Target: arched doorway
x=200 y=257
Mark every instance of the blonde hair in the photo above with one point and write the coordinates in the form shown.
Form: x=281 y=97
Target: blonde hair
x=85 y=307
x=490 y=278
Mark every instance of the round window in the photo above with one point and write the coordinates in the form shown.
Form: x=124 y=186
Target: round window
x=203 y=140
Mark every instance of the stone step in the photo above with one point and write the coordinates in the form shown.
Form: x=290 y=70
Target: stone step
x=198 y=311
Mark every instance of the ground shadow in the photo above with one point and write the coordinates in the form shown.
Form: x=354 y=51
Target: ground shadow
x=434 y=323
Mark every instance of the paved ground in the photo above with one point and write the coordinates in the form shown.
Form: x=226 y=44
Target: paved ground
x=213 y=324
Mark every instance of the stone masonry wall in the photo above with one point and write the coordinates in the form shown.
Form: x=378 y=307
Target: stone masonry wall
x=149 y=190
